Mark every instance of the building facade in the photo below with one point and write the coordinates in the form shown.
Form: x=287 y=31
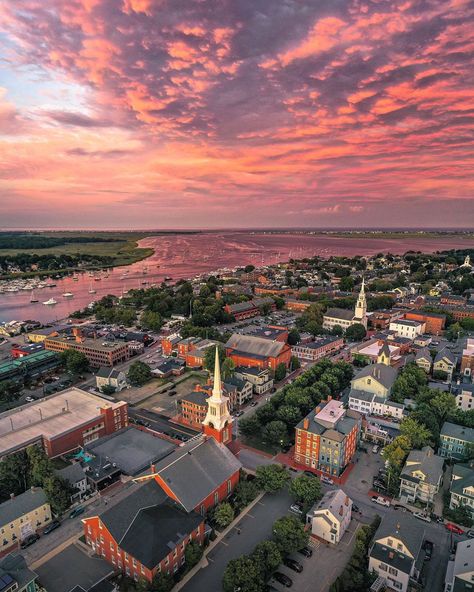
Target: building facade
x=330 y=517
x=422 y=476
x=315 y=350
x=98 y=352
x=455 y=441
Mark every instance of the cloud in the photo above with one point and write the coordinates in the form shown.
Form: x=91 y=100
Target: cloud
x=327 y=109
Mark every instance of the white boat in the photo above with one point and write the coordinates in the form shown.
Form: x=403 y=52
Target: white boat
x=91 y=289
x=33 y=297
x=68 y=295
x=50 y=302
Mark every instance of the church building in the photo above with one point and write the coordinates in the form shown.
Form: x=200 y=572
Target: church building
x=344 y=318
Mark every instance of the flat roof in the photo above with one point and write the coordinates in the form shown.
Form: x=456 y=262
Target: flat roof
x=331 y=412
x=49 y=418
x=97 y=344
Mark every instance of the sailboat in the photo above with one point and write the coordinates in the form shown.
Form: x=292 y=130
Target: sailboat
x=91 y=289
x=68 y=295
x=33 y=297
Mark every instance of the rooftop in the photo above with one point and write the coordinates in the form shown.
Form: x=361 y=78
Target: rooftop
x=49 y=418
x=336 y=501
x=257 y=346
x=453 y=430
x=87 y=342
x=19 y=505
x=331 y=413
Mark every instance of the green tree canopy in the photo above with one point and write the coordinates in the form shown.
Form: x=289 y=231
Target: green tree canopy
x=293 y=337
x=210 y=358
x=227 y=368
x=280 y=372
x=356 y=332
x=418 y=434
x=267 y=557
x=272 y=478
x=306 y=490
x=139 y=373
x=275 y=432
x=242 y=575
x=74 y=361
x=223 y=514
x=289 y=534
x=151 y=320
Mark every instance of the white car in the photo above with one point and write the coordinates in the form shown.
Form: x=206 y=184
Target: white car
x=378 y=499
x=296 y=509
x=375 y=449
x=422 y=516
x=326 y=480
x=29 y=399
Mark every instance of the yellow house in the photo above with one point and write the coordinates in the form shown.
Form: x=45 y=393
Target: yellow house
x=375 y=378
x=39 y=335
x=445 y=362
x=23 y=515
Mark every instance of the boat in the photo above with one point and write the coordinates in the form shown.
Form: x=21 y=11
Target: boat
x=91 y=289
x=50 y=302
x=75 y=278
x=168 y=278
x=33 y=297
x=68 y=295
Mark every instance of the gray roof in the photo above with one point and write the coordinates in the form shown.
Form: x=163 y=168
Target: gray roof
x=453 y=430
x=423 y=354
x=15 y=566
x=392 y=557
x=104 y=372
x=204 y=463
x=131 y=449
x=462 y=566
x=340 y=313
x=361 y=395
x=404 y=527
x=464 y=473
x=73 y=473
x=21 y=505
x=197 y=397
x=427 y=462
x=445 y=354
x=255 y=345
x=386 y=375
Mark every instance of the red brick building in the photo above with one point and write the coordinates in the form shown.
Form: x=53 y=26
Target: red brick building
x=434 y=323
x=61 y=422
x=252 y=308
x=297 y=305
x=169 y=343
x=148 y=531
x=25 y=349
x=247 y=350
x=314 y=350
x=187 y=345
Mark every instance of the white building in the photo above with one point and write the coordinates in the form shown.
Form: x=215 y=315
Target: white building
x=460 y=572
x=330 y=517
x=465 y=399
x=112 y=378
x=344 y=318
x=371 y=404
x=408 y=329
x=395 y=550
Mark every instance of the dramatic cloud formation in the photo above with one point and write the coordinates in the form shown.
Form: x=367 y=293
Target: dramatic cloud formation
x=225 y=113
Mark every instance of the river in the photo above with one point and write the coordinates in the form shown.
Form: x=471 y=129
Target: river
x=187 y=255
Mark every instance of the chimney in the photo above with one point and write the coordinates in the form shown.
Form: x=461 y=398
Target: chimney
x=329 y=398
x=153 y=470
x=305 y=423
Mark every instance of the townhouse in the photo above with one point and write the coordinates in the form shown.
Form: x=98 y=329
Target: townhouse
x=421 y=476
x=330 y=517
x=455 y=441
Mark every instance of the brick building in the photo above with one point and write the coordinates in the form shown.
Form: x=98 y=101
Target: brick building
x=98 y=352
x=297 y=305
x=187 y=345
x=246 y=350
x=61 y=422
x=25 y=349
x=326 y=439
x=169 y=343
x=249 y=309
x=434 y=323
x=467 y=360
x=314 y=350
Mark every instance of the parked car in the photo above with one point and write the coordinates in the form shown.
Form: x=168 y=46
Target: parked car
x=283 y=579
x=428 y=547
x=253 y=403
x=52 y=526
x=375 y=448
x=293 y=564
x=453 y=528
x=29 y=399
x=356 y=509
x=326 y=480
x=422 y=516
x=470 y=534
x=296 y=509
x=77 y=511
x=400 y=507
x=171 y=393
x=29 y=540
x=306 y=552
x=309 y=474
x=380 y=500
x=239 y=413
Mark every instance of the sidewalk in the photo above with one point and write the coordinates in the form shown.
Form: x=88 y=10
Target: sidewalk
x=203 y=561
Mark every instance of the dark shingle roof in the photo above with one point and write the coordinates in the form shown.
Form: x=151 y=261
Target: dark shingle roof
x=204 y=463
x=255 y=345
x=73 y=473
x=386 y=375
x=453 y=430
x=197 y=397
x=15 y=566
x=21 y=504
x=392 y=557
x=340 y=313
x=404 y=528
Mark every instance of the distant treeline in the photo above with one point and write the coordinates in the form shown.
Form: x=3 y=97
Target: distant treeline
x=36 y=241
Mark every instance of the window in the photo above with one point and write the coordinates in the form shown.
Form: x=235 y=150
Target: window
x=393 y=571
x=229 y=486
x=216 y=497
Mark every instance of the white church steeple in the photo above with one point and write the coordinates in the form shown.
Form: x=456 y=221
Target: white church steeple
x=360 y=313
x=218 y=420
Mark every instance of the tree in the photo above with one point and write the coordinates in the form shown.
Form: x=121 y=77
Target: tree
x=294 y=363
x=337 y=330
x=192 y=554
x=58 y=493
x=223 y=514
x=356 y=332
x=242 y=575
x=306 y=490
x=275 y=432
x=9 y=391
x=271 y=478
x=107 y=389
x=162 y=582
x=245 y=492
x=151 y=320
x=267 y=557
x=454 y=331
x=288 y=414
x=74 y=361
x=210 y=358
x=227 y=368
x=443 y=404
x=249 y=268
x=40 y=467
x=346 y=284
x=293 y=337
x=250 y=426
x=461 y=515
x=280 y=372
x=14 y=474
x=289 y=534
x=418 y=434
x=139 y=373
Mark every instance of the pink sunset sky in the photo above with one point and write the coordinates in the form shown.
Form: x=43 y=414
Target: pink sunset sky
x=235 y=113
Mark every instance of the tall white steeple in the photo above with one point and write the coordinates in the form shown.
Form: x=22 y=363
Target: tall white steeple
x=360 y=312
x=218 y=420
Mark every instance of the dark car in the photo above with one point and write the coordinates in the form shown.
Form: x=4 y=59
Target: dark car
x=52 y=526
x=171 y=393
x=428 y=547
x=76 y=512
x=29 y=540
x=293 y=564
x=356 y=509
x=309 y=474
x=283 y=579
x=306 y=551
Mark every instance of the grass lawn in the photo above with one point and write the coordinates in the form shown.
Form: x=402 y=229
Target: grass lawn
x=255 y=442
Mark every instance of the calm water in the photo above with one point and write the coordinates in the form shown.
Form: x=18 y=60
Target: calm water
x=185 y=256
